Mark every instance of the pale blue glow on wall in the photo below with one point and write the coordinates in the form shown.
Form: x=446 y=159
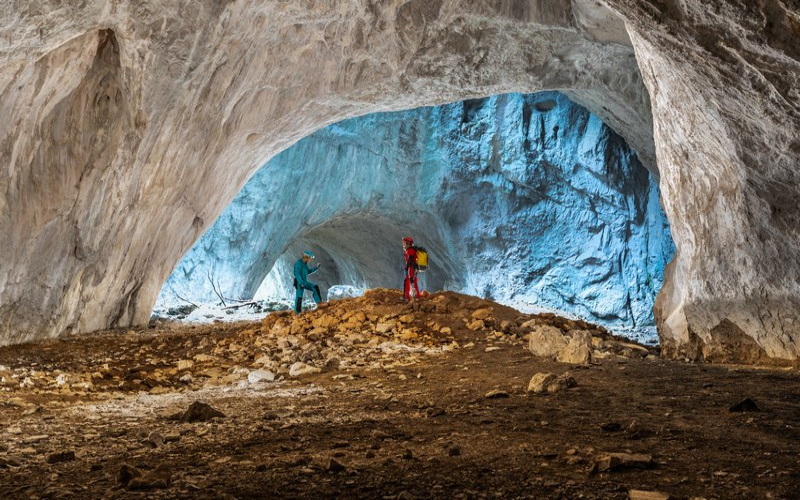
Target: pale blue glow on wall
x=527 y=199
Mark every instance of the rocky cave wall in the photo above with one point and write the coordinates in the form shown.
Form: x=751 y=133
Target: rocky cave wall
x=129 y=126
x=526 y=199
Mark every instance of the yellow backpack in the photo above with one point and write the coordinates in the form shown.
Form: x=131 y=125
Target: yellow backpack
x=422 y=258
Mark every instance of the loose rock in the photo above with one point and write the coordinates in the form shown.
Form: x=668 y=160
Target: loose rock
x=744 y=405
x=299 y=369
x=201 y=412
x=64 y=456
x=617 y=461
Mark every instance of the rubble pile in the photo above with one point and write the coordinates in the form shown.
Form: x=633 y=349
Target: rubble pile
x=376 y=331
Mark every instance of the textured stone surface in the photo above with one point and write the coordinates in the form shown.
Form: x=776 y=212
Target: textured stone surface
x=528 y=200
x=123 y=146
x=119 y=148
x=724 y=80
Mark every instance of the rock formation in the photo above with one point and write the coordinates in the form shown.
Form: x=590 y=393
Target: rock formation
x=128 y=127
x=529 y=200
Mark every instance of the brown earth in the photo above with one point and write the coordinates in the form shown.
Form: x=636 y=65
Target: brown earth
x=398 y=409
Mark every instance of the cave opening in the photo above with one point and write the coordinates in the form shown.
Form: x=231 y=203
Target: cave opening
x=526 y=199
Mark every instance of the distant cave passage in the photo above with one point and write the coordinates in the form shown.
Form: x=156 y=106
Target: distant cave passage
x=529 y=200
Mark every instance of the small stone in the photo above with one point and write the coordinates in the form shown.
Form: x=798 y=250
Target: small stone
x=185 y=364
x=299 y=369
x=257 y=376
x=482 y=313
x=35 y=439
x=335 y=466
x=435 y=412
x=157 y=479
x=63 y=456
x=126 y=474
x=332 y=364
x=550 y=383
x=539 y=382
x=446 y=330
x=617 y=461
x=496 y=394
x=647 y=495
x=378 y=434
x=171 y=436
x=476 y=325
x=10 y=461
x=563 y=381
x=384 y=327
x=744 y=405
x=155 y=439
x=201 y=412
x=491 y=349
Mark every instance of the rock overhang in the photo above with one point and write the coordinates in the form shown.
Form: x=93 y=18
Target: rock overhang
x=197 y=89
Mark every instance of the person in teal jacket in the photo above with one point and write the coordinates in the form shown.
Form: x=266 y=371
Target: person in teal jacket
x=301 y=283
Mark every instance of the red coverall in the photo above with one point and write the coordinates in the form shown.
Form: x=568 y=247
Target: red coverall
x=411 y=274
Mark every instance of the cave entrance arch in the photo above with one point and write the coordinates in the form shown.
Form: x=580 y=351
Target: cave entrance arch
x=526 y=199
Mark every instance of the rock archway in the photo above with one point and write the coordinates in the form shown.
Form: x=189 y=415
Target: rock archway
x=527 y=199
x=129 y=127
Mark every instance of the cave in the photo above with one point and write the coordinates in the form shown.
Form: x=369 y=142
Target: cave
x=607 y=189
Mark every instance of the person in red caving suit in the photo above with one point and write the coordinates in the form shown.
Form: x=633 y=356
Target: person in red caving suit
x=410 y=269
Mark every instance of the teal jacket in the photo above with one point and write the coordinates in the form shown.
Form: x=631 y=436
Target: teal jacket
x=301 y=272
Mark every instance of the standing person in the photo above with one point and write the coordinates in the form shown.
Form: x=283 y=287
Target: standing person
x=410 y=269
x=301 y=283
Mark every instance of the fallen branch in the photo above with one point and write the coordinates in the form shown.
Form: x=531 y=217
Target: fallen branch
x=213 y=287
x=171 y=289
x=237 y=306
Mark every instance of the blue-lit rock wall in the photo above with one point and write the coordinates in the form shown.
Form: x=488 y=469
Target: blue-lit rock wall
x=527 y=199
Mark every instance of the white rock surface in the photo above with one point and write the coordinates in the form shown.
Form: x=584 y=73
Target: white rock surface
x=129 y=127
x=299 y=369
x=257 y=376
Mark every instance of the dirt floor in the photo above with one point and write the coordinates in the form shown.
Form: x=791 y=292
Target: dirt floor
x=372 y=398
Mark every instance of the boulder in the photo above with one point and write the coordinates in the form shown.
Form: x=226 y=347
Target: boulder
x=546 y=341
x=578 y=350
